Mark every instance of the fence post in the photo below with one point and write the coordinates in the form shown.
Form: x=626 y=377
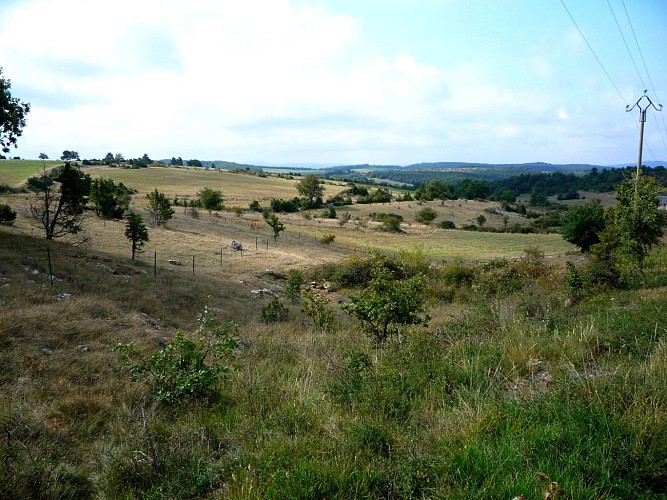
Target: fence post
x=48 y=255
x=193 y=265
x=155 y=264
x=220 y=256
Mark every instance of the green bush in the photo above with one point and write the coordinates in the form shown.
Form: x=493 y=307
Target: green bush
x=426 y=215
x=186 y=369
x=274 y=311
x=387 y=303
x=317 y=309
x=7 y=214
x=447 y=224
x=293 y=285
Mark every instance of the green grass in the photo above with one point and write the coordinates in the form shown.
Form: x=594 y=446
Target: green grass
x=15 y=172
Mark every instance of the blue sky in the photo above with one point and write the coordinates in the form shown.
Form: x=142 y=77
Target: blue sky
x=338 y=82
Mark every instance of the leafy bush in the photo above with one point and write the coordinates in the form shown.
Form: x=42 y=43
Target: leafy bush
x=426 y=215
x=293 y=286
x=7 y=214
x=274 y=311
x=447 y=224
x=388 y=303
x=186 y=369
x=327 y=239
x=317 y=309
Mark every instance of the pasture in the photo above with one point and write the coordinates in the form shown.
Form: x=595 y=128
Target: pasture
x=519 y=379
x=15 y=172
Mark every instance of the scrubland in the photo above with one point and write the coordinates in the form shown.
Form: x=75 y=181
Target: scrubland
x=520 y=378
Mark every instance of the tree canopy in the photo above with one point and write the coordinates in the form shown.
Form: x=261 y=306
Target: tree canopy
x=12 y=115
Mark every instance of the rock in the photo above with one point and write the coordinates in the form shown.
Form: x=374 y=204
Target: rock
x=82 y=347
x=47 y=351
x=261 y=293
x=175 y=262
x=64 y=296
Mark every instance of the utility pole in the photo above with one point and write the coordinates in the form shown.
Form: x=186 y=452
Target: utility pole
x=642 y=119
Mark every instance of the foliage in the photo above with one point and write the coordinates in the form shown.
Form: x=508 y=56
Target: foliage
x=380 y=195
x=293 y=285
x=275 y=224
x=12 y=115
x=210 y=199
x=330 y=213
x=135 y=231
x=639 y=221
x=473 y=189
x=316 y=307
x=446 y=224
x=186 y=369
x=481 y=220
x=311 y=188
x=254 y=206
x=109 y=199
x=59 y=200
x=426 y=215
x=274 y=311
x=290 y=206
x=435 y=189
x=7 y=214
x=69 y=155
x=328 y=238
x=388 y=303
x=582 y=225
x=159 y=208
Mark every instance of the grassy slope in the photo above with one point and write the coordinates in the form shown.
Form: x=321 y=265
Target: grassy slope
x=15 y=172
x=504 y=386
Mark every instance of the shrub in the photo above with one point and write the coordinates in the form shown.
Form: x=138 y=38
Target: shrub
x=7 y=214
x=186 y=369
x=388 y=303
x=426 y=215
x=293 y=286
x=327 y=239
x=317 y=309
x=274 y=311
x=447 y=224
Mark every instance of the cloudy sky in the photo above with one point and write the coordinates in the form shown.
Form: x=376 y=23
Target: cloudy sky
x=338 y=81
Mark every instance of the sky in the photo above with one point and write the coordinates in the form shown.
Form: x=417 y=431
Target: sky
x=339 y=82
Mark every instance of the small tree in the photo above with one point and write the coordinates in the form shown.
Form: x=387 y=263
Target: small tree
x=582 y=225
x=639 y=221
x=135 y=231
x=388 y=303
x=276 y=225
x=210 y=199
x=59 y=200
x=311 y=188
x=109 y=199
x=43 y=156
x=159 y=208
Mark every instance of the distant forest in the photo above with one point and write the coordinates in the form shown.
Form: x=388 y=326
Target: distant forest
x=496 y=180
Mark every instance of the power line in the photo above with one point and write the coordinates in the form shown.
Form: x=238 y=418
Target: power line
x=626 y=45
x=593 y=52
x=627 y=15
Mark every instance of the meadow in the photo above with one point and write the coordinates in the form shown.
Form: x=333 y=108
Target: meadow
x=520 y=383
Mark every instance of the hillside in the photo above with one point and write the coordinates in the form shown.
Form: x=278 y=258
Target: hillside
x=524 y=372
